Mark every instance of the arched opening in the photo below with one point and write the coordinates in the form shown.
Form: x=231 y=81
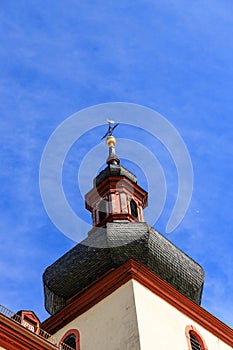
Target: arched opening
x=195 y=341
x=102 y=210
x=133 y=209
x=70 y=340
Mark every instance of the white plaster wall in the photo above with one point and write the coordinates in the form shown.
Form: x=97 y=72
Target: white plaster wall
x=134 y=318
x=161 y=326
x=109 y=325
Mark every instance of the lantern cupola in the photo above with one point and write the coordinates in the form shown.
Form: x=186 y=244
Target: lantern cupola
x=115 y=194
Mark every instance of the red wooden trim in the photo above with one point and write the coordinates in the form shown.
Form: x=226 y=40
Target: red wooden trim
x=112 y=184
x=117 y=216
x=192 y=330
x=104 y=286
x=15 y=336
x=77 y=337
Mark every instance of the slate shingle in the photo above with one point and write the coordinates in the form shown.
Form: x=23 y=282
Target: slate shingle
x=109 y=248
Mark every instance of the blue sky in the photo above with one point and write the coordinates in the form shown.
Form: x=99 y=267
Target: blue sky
x=60 y=57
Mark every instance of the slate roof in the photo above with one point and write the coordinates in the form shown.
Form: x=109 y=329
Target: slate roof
x=109 y=248
x=114 y=169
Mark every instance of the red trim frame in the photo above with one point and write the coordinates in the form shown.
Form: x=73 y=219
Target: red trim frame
x=77 y=337
x=113 y=279
x=112 y=184
x=110 y=190
x=192 y=330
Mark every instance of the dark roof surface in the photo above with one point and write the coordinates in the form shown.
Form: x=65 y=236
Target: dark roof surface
x=109 y=248
x=114 y=169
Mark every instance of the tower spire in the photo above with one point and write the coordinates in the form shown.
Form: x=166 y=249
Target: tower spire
x=112 y=157
x=111 y=143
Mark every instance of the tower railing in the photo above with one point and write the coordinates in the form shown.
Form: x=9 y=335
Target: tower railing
x=36 y=330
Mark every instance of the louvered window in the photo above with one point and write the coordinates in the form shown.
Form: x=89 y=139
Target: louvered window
x=194 y=342
x=71 y=341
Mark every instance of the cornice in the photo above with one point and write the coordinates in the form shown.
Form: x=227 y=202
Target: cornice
x=112 y=280
x=115 y=183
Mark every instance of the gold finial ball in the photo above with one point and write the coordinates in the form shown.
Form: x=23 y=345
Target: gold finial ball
x=111 y=141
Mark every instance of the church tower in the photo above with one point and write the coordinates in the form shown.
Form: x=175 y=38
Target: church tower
x=126 y=286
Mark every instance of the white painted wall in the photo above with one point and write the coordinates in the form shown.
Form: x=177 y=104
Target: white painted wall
x=109 y=325
x=134 y=318
x=161 y=326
